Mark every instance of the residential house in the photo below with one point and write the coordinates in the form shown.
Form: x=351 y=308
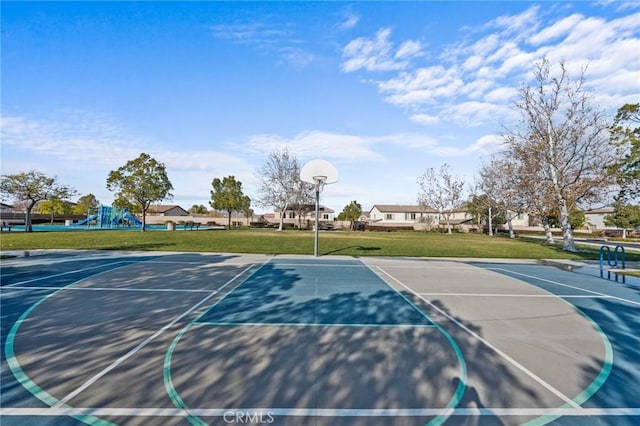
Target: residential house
x=303 y=215
x=407 y=215
x=401 y=215
x=595 y=218
x=167 y=210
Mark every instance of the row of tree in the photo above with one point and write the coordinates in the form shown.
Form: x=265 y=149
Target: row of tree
x=562 y=155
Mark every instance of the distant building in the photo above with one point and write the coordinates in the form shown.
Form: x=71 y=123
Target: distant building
x=303 y=215
x=393 y=214
x=595 y=218
x=167 y=210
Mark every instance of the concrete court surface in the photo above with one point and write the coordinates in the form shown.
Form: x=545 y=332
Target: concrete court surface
x=153 y=338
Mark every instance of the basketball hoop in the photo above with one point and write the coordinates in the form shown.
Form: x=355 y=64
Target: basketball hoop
x=319 y=173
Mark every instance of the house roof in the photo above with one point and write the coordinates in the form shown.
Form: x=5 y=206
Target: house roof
x=400 y=208
x=162 y=208
x=308 y=208
x=602 y=210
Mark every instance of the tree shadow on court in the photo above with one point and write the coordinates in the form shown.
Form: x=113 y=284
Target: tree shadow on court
x=620 y=322
x=79 y=331
x=357 y=248
x=345 y=350
x=348 y=348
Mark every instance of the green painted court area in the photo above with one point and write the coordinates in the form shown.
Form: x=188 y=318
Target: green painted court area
x=141 y=338
x=316 y=292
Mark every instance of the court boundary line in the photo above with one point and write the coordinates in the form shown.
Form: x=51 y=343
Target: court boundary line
x=490 y=345
x=622 y=299
x=116 y=289
x=75 y=271
x=145 y=342
x=193 y=417
x=319 y=412
x=564 y=296
x=317 y=325
x=169 y=387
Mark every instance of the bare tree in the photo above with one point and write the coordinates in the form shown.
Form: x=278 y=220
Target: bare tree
x=499 y=179
x=536 y=195
x=280 y=183
x=441 y=191
x=567 y=136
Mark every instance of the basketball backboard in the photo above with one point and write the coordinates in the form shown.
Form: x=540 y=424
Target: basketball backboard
x=319 y=172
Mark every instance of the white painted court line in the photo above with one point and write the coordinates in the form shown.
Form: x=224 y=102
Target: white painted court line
x=319 y=412
x=64 y=273
x=597 y=293
x=159 y=290
x=145 y=342
x=550 y=296
x=509 y=359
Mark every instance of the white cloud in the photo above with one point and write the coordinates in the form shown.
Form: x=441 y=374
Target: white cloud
x=310 y=144
x=485 y=145
x=378 y=54
x=477 y=78
x=425 y=119
x=349 y=20
x=267 y=37
x=556 y=30
x=408 y=49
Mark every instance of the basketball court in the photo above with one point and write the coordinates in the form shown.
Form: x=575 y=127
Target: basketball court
x=139 y=338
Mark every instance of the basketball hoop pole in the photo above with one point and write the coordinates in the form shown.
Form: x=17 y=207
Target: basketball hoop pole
x=315 y=241
x=319 y=180
x=318 y=173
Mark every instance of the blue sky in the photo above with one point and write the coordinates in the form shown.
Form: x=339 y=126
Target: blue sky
x=383 y=90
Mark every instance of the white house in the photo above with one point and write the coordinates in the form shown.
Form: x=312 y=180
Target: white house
x=595 y=218
x=406 y=215
x=393 y=214
x=304 y=215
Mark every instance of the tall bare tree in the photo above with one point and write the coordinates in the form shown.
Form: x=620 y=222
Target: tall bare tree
x=280 y=183
x=568 y=137
x=442 y=191
x=499 y=179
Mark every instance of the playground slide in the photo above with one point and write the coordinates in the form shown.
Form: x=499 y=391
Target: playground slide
x=131 y=218
x=84 y=221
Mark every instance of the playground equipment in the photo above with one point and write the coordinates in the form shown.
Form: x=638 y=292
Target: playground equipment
x=612 y=264
x=110 y=217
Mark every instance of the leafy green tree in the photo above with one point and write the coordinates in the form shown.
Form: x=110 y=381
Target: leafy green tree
x=198 y=209
x=54 y=206
x=86 y=204
x=351 y=212
x=624 y=216
x=625 y=134
x=576 y=218
x=247 y=211
x=140 y=182
x=32 y=187
x=227 y=196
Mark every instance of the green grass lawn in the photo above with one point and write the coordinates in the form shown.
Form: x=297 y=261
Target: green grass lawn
x=418 y=244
